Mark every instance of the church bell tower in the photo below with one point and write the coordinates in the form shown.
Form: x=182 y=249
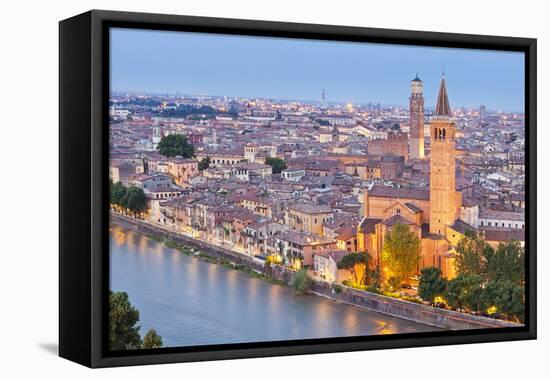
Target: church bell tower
x=443 y=196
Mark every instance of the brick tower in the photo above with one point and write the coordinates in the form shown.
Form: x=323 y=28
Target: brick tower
x=444 y=200
x=416 y=119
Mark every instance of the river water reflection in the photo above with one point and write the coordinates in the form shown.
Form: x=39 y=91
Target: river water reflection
x=193 y=302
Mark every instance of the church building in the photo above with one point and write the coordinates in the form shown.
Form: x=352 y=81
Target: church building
x=433 y=212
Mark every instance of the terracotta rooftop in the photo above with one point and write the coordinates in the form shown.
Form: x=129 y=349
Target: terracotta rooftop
x=462 y=227
x=442 y=107
x=504 y=235
x=415 y=209
x=310 y=208
x=367 y=225
x=502 y=215
x=404 y=193
x=393 y=220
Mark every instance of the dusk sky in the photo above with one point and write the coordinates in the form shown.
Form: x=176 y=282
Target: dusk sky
x=277 y=68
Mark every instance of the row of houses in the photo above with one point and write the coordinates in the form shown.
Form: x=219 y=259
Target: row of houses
x=297 y=234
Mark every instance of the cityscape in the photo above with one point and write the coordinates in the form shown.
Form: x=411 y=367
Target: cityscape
x=420 y=204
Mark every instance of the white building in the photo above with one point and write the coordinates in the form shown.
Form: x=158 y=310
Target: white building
x=501 y=219
x=293 y=174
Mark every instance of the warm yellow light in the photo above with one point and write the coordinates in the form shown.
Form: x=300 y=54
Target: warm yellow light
x=439 y=299
x=492 y=310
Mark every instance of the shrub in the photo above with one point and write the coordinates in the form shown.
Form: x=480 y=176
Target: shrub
x=301 y=282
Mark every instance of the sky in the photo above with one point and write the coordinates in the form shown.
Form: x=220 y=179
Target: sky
x=148 y=61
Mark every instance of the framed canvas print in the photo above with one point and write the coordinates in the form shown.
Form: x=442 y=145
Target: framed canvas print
x=234 y=188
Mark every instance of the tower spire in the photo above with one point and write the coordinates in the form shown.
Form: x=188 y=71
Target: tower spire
x=442 y=107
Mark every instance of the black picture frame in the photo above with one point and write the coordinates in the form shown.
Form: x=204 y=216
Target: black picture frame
x=83 y=181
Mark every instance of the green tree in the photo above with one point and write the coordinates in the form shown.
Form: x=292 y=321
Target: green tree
x=474 y=296
x=176 y=145
x=471 y=253
x=151 y=340
x=454 y=295
x=134 y=199
x=375 y=277
x=204 y=163
x=507 y=297
x=277 y=164
x=352 y=261
x=301 y=282
x=401 y=251
x=123 y=319
x=117 y=193
x=431 y=284
x=507 y=263
x=466 y=290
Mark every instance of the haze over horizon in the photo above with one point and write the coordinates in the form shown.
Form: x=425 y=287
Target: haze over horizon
x=163 y=62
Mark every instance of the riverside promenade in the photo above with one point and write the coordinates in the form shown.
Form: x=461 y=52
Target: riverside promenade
x=441 y=318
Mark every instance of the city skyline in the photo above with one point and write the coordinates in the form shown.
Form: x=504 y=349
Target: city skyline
x=298 y=70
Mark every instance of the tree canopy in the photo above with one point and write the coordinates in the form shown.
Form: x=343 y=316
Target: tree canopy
x=176 y=145
x=431 y=284
x=401 y=251
x=124 y=328
x=507 y=298
x=489 y=278
x=134 y=199
x=151 y=340
x=466 y=290
x=117 y=193
x=123 y=319
x=277 y=164
x=353 y=262
x=301 y=282
x=204 y=163
x=470 y=254
x=507 y=263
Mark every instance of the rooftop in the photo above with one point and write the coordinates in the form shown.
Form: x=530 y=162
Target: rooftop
x=310 y=208
x=405 y=193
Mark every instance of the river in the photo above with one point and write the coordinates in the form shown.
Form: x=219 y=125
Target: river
x=193 y=302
